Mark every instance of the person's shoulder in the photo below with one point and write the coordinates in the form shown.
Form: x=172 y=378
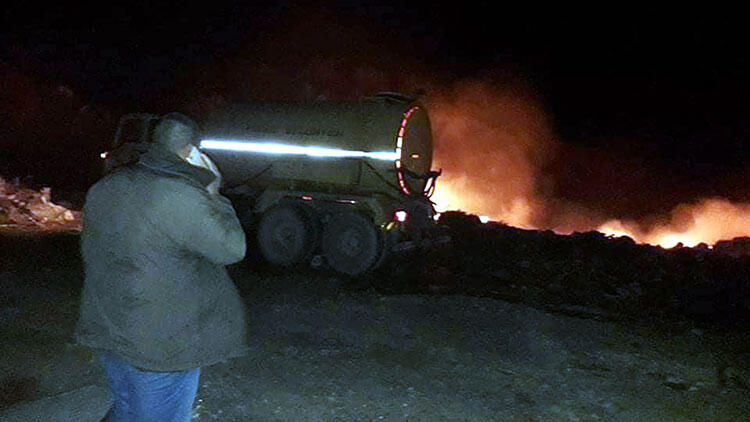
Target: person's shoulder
x=171 y=182
x=108 y=182
x=173 y=189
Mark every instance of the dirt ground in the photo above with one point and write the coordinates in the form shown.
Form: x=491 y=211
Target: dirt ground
x=327 y=349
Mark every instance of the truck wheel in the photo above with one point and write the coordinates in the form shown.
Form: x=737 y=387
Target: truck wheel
x=351 y=243
x=285 y=236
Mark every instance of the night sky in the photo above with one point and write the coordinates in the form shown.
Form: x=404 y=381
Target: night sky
x=635 y=99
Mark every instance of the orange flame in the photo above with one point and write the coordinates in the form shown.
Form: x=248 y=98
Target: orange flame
x=492 y=143
x=707 y=222
x=488 y=141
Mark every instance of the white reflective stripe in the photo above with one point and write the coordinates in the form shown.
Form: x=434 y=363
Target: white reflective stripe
x=276 y=148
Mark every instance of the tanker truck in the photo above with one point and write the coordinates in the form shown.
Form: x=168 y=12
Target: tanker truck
x=340 y=184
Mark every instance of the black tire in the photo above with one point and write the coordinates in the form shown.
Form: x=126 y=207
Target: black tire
x=351 y=243
x=285 y=236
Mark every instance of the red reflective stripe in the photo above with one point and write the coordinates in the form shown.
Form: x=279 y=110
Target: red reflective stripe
x=399 y=147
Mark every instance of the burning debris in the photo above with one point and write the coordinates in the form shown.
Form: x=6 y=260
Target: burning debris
x=27 y=210
x=709 y=221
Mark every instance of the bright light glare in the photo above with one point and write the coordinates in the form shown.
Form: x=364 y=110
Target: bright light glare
x=401 y=215
x=104 y=155
x=484 y=219
x=670 y=241
x=276 y=148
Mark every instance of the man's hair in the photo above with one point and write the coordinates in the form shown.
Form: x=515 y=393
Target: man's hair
x=167 y=131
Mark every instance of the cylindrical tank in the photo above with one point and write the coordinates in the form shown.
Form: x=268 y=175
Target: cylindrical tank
x=378 y=144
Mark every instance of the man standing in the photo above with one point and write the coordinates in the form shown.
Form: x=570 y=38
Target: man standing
x=157 y=302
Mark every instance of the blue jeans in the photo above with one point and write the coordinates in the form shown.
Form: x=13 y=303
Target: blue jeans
x=148 y=396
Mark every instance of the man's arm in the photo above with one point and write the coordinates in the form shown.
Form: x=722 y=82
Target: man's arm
x=201 y=222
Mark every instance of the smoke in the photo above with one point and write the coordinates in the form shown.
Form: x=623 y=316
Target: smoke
x=491 y=140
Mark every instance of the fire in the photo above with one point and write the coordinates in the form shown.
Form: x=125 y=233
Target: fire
x=493 y=145
x=516 y=212
x=488 y=141
x=707 y=222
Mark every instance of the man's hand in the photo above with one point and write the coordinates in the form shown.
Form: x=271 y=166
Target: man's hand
x=195 y=157
x=214 y=186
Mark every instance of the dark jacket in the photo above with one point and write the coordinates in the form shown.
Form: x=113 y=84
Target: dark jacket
x=155 y=245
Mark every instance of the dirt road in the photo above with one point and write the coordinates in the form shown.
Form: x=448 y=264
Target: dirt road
x=322 y=351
